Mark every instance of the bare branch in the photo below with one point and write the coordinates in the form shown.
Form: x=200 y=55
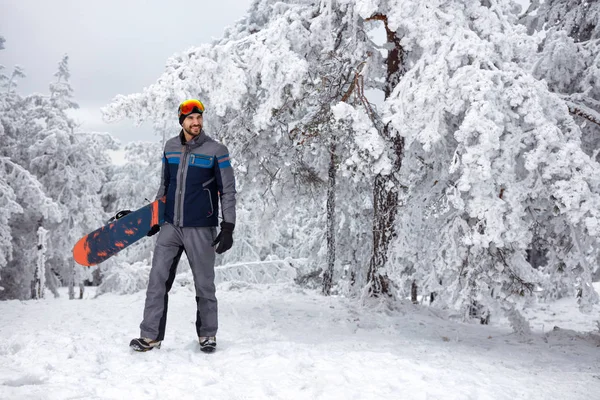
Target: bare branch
x=584 y=112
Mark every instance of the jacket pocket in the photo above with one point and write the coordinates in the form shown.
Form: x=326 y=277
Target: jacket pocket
x=210 y=202
x=202 y=161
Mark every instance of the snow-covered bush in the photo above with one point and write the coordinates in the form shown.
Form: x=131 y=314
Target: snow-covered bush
x=125 y=278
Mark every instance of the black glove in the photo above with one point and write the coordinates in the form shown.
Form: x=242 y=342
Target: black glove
x=225 y=238
x=154 y=230
x=119 y=215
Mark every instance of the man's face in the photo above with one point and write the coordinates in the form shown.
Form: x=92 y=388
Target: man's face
x=192 y=124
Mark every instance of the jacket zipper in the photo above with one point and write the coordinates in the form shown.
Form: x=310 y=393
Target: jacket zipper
x=181 y=185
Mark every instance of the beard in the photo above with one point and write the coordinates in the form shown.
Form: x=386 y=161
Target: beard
x=190 y=131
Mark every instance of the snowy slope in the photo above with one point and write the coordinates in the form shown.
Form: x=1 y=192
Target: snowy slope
x=282 y=342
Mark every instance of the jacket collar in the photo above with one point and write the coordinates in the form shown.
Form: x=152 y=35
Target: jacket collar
x=195 y=142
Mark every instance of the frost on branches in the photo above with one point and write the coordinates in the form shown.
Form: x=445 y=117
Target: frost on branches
x=569 y=59
x=494 y=164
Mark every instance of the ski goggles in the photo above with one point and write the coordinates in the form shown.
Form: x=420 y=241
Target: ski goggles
x=188 y=106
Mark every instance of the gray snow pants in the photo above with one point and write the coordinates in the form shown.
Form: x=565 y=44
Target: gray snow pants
x=172 y=242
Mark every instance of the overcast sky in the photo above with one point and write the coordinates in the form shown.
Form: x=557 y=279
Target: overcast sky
x=114 y=46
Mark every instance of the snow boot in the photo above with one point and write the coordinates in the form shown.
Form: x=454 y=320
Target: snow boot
x=144 y=344
x=208 y=344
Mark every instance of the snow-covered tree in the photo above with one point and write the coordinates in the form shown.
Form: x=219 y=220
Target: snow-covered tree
x=71 y=166
x=3 y=77
x=54 y=176
x=569 y=59
x=8 y=83
x=27 y=211
x=25 y=206
x=491 y=157
x=10 y=207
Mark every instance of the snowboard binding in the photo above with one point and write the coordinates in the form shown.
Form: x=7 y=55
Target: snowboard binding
x=119 y=215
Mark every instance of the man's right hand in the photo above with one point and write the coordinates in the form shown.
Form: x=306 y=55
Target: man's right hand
x=154 y=230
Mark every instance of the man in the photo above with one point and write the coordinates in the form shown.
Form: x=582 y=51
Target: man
x=196 y=172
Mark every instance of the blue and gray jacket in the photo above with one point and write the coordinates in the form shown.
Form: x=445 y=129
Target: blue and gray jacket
x=194 y=175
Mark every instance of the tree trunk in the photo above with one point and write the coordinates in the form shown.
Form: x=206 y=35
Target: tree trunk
x=385 y=207
x=74 y=273
x=385 y=190
x=39 y=277
x=413 y=293
x=331 y=188
x=52 y=282
x=72 y=282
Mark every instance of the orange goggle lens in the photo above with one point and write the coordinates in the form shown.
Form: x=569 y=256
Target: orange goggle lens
x=188 y=106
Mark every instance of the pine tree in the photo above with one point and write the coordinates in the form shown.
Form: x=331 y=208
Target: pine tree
x=11 y=207
x=18 y=273
x=27 y=208
x=71 y=167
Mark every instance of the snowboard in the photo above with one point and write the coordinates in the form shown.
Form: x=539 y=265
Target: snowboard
x=117 y=235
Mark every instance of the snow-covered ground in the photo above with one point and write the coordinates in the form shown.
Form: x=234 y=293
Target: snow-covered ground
x=283 y=342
